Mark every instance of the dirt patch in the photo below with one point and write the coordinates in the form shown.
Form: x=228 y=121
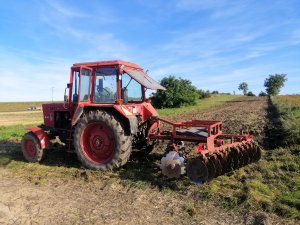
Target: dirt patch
x=105 y=202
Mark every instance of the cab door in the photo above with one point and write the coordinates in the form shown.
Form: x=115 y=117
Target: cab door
x=84 y=92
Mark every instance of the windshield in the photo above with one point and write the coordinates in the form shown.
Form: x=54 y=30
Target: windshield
x=143 y=79
x=105 y=89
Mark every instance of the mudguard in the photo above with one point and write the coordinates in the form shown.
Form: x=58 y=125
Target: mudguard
x=41 y=136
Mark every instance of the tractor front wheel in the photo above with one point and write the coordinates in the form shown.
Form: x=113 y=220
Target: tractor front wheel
x=100 y=141
x=31 y=148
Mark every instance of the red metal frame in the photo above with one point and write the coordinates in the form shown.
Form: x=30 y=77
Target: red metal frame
x=214 y=141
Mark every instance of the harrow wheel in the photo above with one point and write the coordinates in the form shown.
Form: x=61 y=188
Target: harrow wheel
x=204 y=168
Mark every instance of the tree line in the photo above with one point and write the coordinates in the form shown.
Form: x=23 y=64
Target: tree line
x=273 y=84
x=181 y=92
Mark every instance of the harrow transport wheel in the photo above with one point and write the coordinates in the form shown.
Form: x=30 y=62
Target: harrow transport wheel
x=31 y=148
x=197 y=171
x=100 y=141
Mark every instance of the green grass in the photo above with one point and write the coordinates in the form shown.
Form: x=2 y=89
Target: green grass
x=271 y=185
x=213 y=101
x=289 y=109
x=12 y=132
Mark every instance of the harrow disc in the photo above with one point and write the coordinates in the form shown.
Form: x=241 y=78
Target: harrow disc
x=205 y=168
x=197 y=171
x=211 y=168
x=217 y=164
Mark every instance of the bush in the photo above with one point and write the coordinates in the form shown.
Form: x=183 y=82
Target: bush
x=262 y=93
x=203 y=94
x=250 y=93
x=179 y=92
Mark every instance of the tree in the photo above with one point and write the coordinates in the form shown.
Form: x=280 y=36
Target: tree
x=179 y=92
x=243 y=87
x=274 y=83
x=262 y=93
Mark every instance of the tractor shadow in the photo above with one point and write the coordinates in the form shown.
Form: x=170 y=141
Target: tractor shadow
x=145 y=170
x=12 y=151
x=139 y=171
x=275 y=133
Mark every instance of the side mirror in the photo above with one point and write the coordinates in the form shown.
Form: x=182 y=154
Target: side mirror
x=68 y=85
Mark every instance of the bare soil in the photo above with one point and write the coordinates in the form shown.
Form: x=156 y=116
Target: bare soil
x=103 y=201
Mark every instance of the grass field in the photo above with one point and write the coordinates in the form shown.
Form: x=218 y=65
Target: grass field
x=213 y=101
x=289 y=109
x=271 y=185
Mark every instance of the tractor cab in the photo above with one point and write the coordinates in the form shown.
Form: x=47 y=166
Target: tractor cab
x=109 y=82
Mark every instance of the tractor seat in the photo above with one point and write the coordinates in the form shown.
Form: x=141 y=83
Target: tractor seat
x=193 y=132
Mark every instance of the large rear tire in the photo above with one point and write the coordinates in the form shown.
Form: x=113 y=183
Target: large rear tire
x=100 y=141
x=31 y=148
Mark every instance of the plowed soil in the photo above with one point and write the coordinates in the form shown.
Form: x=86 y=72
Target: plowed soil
x=23 y=201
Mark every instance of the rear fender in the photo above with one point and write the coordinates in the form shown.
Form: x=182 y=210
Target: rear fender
x=41 y=136
x=119 y=111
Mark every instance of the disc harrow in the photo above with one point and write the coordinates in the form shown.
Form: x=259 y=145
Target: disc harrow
x=218 y=153
x=206 y=167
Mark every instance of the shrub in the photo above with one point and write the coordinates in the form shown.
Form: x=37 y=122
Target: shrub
x=179 y=92
x=250 y=93
x=262 y=93
x=203 y=94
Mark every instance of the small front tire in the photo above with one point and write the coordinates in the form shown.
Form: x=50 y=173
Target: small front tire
x=31 y=148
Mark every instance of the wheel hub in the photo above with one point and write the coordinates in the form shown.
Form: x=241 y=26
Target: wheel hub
x=30 y=148
x=97 y=143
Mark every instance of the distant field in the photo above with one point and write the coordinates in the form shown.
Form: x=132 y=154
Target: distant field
x=213 y=101
x=19 y=106
x=24 y=118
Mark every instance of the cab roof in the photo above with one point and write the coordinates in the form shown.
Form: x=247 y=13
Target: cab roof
x=108 y=63
x=133 y=70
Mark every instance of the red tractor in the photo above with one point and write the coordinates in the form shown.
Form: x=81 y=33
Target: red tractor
x=106 y=114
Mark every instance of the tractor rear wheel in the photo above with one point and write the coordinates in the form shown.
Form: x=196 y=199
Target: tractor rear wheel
x=100 y=141
x=31 y=148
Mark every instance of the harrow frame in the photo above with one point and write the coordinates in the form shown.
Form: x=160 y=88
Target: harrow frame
x=214 y=141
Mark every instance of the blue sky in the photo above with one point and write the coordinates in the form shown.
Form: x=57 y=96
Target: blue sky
x=215 y=43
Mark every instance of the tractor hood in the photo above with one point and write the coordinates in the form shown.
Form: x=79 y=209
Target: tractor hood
x=143 y=79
